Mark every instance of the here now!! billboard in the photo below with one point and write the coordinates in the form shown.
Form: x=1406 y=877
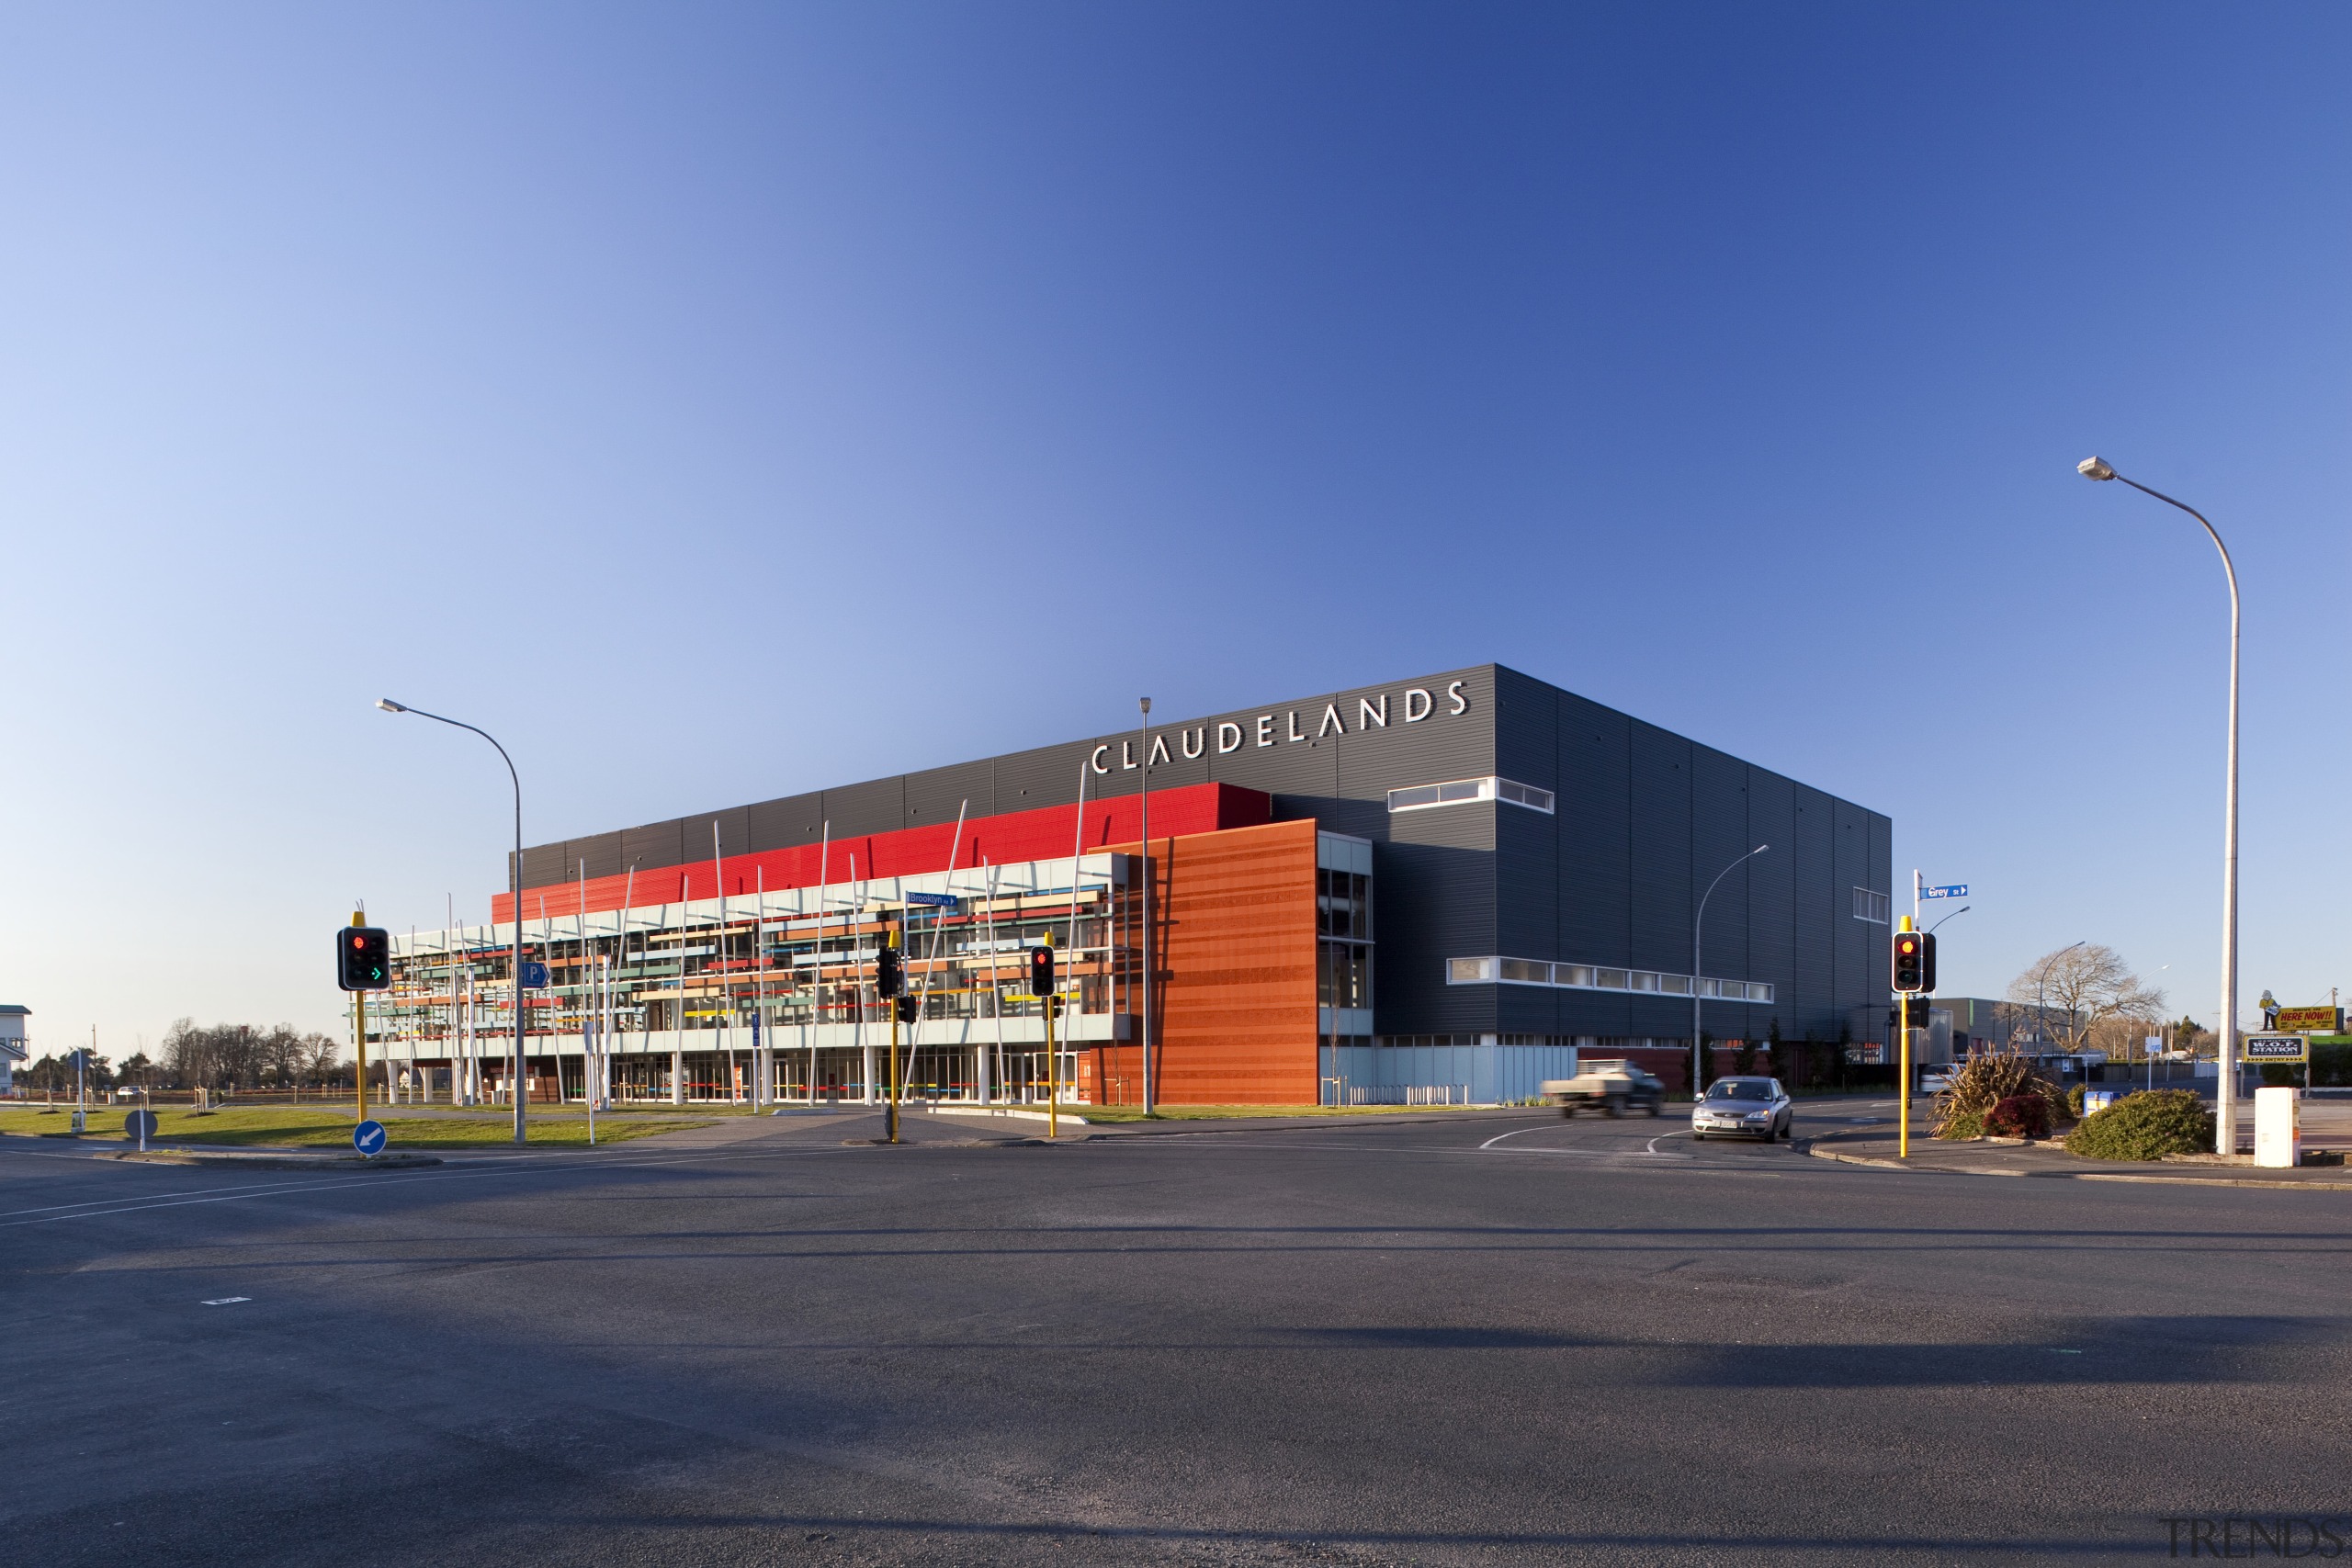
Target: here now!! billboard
x=2309 y=1020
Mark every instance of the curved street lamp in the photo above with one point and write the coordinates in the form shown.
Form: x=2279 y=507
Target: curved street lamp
x=2226 y=1126
x=1698 y=922
x=515 y=1072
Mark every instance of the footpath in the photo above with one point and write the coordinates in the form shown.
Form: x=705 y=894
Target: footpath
x=2325 y=1138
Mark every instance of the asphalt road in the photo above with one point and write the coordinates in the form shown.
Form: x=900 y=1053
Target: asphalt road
x=1491 y=1338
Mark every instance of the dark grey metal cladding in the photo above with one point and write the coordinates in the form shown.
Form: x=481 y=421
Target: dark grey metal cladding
x=1595 y=894
x=1442 y=744
x=1775 y=914
x=878 y=805
x=1660 y=826
x=935 y=795
x=785 y=823
x=543 y=864
x=1026 y=781
x=1527 y=843
x=1720 y=836
x=1431 y=900
x=1820 y=903
x=655 y=845
x=602 y=855
x=734 y=834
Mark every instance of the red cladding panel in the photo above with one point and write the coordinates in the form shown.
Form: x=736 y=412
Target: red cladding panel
x=1043 y=834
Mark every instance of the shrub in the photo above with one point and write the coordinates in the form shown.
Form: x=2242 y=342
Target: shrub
x=2146 y=1126
x=1983 y=1082
x=2019 y=1116
x=2075 y=1100
x=1962 y=1124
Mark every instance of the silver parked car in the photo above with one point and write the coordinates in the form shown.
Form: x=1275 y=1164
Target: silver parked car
x=1755 y=1108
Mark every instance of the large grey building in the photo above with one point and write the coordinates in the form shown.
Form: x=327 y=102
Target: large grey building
x=1457 y=880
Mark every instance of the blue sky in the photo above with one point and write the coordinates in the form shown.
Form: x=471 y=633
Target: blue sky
x=717 y=403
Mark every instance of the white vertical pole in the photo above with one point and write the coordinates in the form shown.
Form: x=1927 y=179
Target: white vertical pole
x=1145 y=1029
x=938 y=929
x=857 y=979
x=995 y=1083
x=817 y=990
x=1077 y=854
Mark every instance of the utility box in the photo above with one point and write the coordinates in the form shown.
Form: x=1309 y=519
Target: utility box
x=2278 y=1128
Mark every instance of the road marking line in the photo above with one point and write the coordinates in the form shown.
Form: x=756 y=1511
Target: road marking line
x=226 y=1301
x=1490 y=1143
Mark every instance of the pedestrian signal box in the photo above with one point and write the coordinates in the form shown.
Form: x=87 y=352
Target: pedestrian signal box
x=1041 y=971
x=363 y=958
x=908 y=1006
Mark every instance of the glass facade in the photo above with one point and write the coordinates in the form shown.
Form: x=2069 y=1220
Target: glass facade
x=715 y=981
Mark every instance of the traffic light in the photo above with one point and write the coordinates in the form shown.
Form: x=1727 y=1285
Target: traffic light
x=1926 y=961
x=890 y=969
x=907 y=1008
x=1911 y=950
x=363 y=958
x=1041 y=971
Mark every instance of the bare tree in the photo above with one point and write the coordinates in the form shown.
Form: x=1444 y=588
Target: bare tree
x=2080 y=992
x=320 y=1057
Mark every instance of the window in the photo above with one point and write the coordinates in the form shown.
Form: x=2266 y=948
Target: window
x=1524 y=795
x=1343 y=974
x=1458 y=792
x=1343 y=904
x=1869 y=906
x=1590 y=977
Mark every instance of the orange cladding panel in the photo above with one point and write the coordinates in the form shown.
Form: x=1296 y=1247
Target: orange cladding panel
x=1234 y=914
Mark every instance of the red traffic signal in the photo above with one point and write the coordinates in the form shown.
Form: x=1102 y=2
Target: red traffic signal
x=1041 y=971
x=363 y=958
x=1915 y=961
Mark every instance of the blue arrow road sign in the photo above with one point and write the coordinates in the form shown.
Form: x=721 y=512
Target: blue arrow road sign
x=1957 y=890
x=368 y=1137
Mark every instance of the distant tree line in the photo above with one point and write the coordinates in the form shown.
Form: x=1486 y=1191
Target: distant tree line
x=224 y=1056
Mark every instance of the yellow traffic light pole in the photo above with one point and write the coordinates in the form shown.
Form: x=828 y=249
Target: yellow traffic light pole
x=1903 y=1136
x=359 y=1003
x=890 y=939
x=1052 y=1063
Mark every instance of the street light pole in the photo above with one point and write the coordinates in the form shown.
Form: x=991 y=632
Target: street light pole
x=2225 y=1130
x=1698 y=922
x=515 y=1069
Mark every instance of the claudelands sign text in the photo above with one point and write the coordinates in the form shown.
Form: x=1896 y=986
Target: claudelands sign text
x=1419 y=703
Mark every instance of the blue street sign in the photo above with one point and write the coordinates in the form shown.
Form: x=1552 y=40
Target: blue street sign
x=368 y=1137
x=1957 y=890
x=535 y=974
x=938 y=900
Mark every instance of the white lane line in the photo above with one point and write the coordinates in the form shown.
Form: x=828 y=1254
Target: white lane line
x=231 y=1300
x=1490 y=1143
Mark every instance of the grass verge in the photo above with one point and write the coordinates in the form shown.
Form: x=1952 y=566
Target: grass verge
x=283 y=1126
